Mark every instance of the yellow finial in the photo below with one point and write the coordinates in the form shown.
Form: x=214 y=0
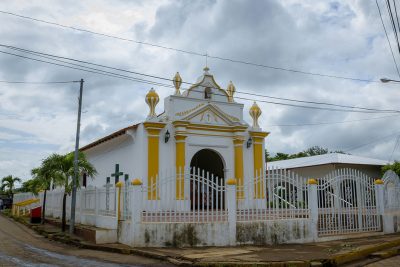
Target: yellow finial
x=177 y=83
x=137 y=181
x=378 y=181
x=312 y=181
x=152 y=99
x=231 y=181
x=231 y=91
x=255 y=113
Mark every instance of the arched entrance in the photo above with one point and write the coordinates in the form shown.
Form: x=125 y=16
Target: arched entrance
x=207 y=173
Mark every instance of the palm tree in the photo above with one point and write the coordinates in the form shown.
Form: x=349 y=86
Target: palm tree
x=62 y=166
x=44 y=176
x=31 y=185
x=9 y=182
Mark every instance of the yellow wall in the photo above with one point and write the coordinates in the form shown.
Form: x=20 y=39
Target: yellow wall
x=153 y=136
x=180 y=165
x=238 y=144
x=258 y=158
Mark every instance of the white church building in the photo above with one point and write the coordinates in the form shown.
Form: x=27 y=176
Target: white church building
x=202 y=127
x=195 y=175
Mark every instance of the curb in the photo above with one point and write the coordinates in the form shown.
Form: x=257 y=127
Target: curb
x=369 y=251
x=363 y=253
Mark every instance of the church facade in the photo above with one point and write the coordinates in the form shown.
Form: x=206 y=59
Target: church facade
x=201 y=128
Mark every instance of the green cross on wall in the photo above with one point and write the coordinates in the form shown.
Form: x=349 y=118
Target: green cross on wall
x=117 y=173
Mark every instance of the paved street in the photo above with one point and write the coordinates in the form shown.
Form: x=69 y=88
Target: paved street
x=20 y=246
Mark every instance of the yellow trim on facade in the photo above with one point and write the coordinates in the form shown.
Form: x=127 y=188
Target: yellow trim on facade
x=238 y=150
x=258 y=155
x=216 y=128
x=180 y=166
x=153 y=137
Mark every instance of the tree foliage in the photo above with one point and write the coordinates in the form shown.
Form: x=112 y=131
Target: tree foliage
x=312 y=151
x=394 y=167
x=8 y=184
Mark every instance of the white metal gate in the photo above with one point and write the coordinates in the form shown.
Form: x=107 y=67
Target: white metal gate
x=347 y=203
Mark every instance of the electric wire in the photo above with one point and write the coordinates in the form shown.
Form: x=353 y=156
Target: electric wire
x=31 y=82
x=393 y=24
x=387 y=38
x=164 y=85
x=193 y=52
x=332 y=122
x=56 y=58
x=395 y=147
x=372 y=142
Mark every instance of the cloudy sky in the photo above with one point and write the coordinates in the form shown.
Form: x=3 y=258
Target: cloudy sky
x=343 y=38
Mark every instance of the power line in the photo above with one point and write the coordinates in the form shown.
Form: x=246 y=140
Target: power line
x=28 y=82
x=193 y=52
x=332 y=122
x=395 y=147
x=389 y=9
x=101 y=72
x=387 y=38
x=62 y=65
x=56 y=58
x=372 y=142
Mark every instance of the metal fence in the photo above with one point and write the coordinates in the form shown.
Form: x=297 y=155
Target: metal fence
x=191 y=196
x=280 y=194
x=347 y=203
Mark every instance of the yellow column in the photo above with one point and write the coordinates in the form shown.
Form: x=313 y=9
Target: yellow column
x=238 y=147
x=153 y=136
x=258 y=155
x=180 y=160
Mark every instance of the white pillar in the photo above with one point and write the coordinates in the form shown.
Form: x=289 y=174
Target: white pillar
x=118 y=193
x=391 y=197
x=380 y=204
x=386 y=220
x=313 y=207
x=136 y=212
x=231 y=204
x=96 y=204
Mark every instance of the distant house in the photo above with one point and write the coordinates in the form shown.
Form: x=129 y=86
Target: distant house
x=321 y=165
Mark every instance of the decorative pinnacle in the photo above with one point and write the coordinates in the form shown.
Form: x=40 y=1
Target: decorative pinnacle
x=230 y=91
x=255 y=113
x=152 y=99
x=177 y=83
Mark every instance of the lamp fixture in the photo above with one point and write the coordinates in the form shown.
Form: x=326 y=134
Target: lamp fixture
x=167 y=136
x=249 y=142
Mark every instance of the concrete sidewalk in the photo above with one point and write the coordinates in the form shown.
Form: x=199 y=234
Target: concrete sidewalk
x=332 y=253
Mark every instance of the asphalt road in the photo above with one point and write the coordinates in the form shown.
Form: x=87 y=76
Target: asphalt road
x=20 y=246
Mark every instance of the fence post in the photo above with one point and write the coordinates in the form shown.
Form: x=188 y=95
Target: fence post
x=118 y=188
x=136 y=211
x=379 y=196
x=391 y=197
x=386 y=221
x=313 y=207
x=231 y=199
x=96 y=205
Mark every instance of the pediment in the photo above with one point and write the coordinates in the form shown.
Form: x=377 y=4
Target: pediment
x=211 y=114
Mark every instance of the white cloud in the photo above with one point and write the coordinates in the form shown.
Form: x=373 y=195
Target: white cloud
x=334 y=37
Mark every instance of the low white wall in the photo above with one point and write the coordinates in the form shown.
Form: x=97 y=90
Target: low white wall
x=176 y=234
x=274 y=232
x=106 y=236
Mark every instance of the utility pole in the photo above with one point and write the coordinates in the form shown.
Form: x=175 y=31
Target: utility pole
x=76 y=160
